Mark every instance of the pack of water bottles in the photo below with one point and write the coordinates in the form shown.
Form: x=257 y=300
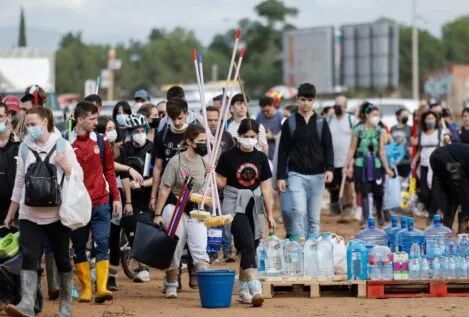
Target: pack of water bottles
x=403 y=252
x=297 y=257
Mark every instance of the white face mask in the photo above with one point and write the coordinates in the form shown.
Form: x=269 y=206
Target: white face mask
x=375 y=120
x=247 y=143
x=111 y=135
x=184 y=126
x=121 y=118
x=139 y=138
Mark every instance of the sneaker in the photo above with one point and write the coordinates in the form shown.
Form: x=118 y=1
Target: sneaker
x=170 y=290
x=112 y=283
x=243 y=293
x=143 y=275
x=230 y=258
x=255 y=288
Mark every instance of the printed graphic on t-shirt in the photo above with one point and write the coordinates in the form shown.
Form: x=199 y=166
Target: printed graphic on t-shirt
x=247 y=174
x=172 y=150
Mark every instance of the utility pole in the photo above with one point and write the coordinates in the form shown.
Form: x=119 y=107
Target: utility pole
x=415 y=53
x=110 y=88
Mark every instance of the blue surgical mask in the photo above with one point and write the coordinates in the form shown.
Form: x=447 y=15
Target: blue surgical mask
x=3 y=127
x=36 y=132
x=121 y=119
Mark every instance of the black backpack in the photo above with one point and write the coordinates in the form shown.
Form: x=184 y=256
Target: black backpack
x=136 y=162
x=42 y=188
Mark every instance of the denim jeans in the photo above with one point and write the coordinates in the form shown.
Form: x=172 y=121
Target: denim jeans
x=286 y=206
x=226 y=243
x=99 y=225
x=307 y=194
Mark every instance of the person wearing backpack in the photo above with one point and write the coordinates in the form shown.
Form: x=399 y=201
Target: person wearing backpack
x=306 y=149
x=431 y=137
x=138 y=156
x=341 y=126
x=95 y=156
x=366 y=161
x=45 y=160
x=8 y=158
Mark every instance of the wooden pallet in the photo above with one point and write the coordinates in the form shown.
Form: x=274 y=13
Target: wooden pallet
x=412 y=289
x=299 y=286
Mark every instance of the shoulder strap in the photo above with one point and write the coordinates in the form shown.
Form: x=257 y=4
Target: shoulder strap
x=291 y=124
x=419 y=145
x=24 y=149
x=49 y=154
x=439 y=136
x=350 y=123
x=319 y=126
x=102 y=147
x=165 y=133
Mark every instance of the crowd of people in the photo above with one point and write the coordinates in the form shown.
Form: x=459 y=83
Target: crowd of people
x=134 y=164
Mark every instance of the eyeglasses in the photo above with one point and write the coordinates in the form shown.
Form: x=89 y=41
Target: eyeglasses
x=306 y=99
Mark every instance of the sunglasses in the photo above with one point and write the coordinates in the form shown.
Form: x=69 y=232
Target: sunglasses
x=306 y=99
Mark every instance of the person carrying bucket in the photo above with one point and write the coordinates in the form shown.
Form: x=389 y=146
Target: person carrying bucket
x=245 y=174
x=368 y=154
x=191 y=231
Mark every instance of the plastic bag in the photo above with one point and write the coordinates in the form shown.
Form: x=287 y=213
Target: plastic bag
x=75 y=211
x=392 y=193
x=340 y=254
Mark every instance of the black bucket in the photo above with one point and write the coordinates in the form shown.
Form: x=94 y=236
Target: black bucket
x=152 y=246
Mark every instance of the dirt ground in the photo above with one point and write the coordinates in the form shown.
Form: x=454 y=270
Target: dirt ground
x=148 y=300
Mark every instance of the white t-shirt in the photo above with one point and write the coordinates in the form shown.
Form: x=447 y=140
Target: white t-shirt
x=233 y=130
x=428 y=144
x=341 y=131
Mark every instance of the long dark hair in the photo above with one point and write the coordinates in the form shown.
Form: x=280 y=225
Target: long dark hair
x=125 y=107
x=101 y=128
x=423 y=126
x=365 y=108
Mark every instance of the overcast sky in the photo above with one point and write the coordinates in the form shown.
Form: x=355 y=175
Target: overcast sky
x=119 y=20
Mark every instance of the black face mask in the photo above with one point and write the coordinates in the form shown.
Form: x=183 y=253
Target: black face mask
x=404 y=120
x=155 y=123
x=201 y=149
x=338 y=110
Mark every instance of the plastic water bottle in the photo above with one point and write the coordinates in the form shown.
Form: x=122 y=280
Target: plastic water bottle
x=436 y=268
x=451 y=268
x=436 y=236
x=389 y=231
x=463 y=268
x=414 y=263
x=394 y=234
x=357 y=257
x=410 y=236
x=310 y=253
x=424 y=269
x=273 y=255
x=373 y=235
x=326 y=256
x=444 y=266
x=261 y=256
x=294 y=257
x=463 y=244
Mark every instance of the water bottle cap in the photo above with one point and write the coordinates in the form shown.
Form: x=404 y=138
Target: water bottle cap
x=394 y=220
x=312 y=236
x=271 y=232
x=371 y=222
x=293 y=238
x=326 y=234
x=436 y=219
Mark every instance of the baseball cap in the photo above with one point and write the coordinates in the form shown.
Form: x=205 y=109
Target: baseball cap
x=12 y=102
x=142 y=94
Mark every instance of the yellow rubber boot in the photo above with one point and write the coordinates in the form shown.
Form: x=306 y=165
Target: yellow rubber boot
x=84 y=275
x=102 y=272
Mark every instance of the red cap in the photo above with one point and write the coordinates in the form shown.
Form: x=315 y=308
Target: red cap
x=12 y=102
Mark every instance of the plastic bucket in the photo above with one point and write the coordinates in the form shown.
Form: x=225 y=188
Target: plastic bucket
x=216 y=288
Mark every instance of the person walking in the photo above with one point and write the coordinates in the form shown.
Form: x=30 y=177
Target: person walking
x=41 y=145
x=306 y=149
x=95 y=156
x=244 y=174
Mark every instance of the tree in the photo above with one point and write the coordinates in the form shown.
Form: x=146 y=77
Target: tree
x=274 y=11
x=431 y=56
x=22 y=31
x=455 y=38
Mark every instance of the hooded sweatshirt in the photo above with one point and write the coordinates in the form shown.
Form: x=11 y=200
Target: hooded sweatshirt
x=41 y=215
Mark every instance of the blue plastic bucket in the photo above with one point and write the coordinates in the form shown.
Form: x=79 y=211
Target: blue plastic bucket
x=216 y=288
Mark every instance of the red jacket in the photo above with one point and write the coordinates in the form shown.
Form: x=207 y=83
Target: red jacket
x=99 y=179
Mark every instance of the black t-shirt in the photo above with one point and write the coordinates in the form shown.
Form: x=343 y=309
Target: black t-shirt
x=464 y=135
x=244 y=170
x=140 y=197
x=169 y=147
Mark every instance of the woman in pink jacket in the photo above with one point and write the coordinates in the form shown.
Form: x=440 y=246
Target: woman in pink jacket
x=34 y=222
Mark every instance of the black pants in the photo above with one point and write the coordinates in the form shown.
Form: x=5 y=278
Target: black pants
x=334 y=186
x=4 y=205
x=243 y=230
x=31 y=244
x=403 y=170
x=433 y=198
